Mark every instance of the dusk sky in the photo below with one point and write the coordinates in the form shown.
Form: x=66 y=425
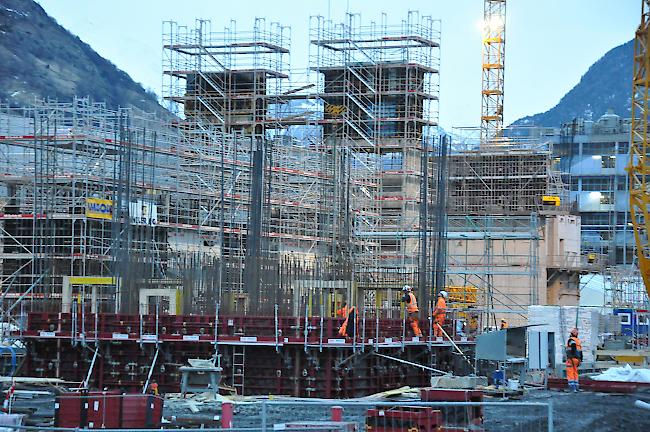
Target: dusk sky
x=549 y=44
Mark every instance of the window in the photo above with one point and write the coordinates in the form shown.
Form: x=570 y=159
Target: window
x=589 y=219
x=606 y=198
x=574 y=184
x=643 y=320
x=565 y=149
x=625 y=318
x=606 y=148
x=391 y=161
x=596 y=183
x=623 y=148
x=622 y=183
x=608 y=162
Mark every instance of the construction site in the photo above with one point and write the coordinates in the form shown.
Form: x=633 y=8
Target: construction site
x=261 y=239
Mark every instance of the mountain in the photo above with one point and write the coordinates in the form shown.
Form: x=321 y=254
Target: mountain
x=39 y=59
x=607 y=84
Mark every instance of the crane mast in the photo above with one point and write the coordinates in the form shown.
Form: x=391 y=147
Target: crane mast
x=639 y=167
x=494 y=44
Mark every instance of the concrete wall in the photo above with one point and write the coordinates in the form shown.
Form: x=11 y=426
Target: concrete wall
x=562 y=241
x=516 y=269
x=560 y=321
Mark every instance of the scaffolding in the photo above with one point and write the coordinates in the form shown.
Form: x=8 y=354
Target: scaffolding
x=257 y=197
x=510 y=178
x=624 y=288
x=504 y=239
x=496 y=259
x=379 y=85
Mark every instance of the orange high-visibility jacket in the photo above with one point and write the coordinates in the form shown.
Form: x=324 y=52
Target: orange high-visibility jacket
x=343 y=312
x=412 y=305
x=343 y=331
x=569 y=351
x=439 y=312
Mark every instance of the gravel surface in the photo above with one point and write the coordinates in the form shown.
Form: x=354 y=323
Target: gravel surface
x=572 y=412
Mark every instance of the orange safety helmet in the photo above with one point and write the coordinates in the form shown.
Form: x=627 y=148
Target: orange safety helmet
x=574 y=332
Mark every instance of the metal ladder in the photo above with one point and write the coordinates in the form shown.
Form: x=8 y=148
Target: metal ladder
x=238 y=356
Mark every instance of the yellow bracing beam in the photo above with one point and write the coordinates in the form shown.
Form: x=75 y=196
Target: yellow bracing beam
x=639 y=168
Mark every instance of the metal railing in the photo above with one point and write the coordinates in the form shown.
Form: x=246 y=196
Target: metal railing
x=300 y=415
x=357 y=415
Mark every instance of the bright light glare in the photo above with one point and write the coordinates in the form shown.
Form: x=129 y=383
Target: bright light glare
x=595 y=195
x=493 y=23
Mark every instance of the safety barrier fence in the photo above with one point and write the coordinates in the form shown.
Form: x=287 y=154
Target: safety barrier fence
x=300 y=415
x=406 y=416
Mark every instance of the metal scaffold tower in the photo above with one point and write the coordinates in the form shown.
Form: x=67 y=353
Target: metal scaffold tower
x=494 y=43
x=378 y=85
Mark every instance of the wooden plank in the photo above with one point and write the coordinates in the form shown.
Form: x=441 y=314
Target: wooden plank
x=627 y=352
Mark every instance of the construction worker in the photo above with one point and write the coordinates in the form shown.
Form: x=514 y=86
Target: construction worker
x=573 y=360
x=412 y=309
x=504 y=324
x=153 y=388
x=343 y=311
x=439 y=314
x=347 y=329
x=473 y=324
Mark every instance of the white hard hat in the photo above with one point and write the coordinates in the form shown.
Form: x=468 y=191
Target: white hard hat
x=443 y=293
x=406 y=288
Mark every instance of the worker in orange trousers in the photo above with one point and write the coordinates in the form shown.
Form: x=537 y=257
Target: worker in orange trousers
x=412 y=309
x=573 y=360
x=439 y=314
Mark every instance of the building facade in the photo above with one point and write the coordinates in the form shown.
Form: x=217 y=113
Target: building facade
x=593 y=156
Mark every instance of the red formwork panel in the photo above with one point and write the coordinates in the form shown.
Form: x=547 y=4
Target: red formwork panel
x=141 y=412
x=108 y=410
x=233 y=326
x=450 y=395
x=471 y=415
x=404 y=419
x=67 y=412
x=317 y=426
x=599 y=386
x=94 y=410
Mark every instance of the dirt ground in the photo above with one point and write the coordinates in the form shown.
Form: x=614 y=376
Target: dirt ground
x=583 y=411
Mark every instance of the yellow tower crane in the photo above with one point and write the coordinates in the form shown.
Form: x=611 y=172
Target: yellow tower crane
x=494 y=48
x=639 y=168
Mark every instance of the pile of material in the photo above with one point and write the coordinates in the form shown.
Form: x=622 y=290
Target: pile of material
x=624 y=374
